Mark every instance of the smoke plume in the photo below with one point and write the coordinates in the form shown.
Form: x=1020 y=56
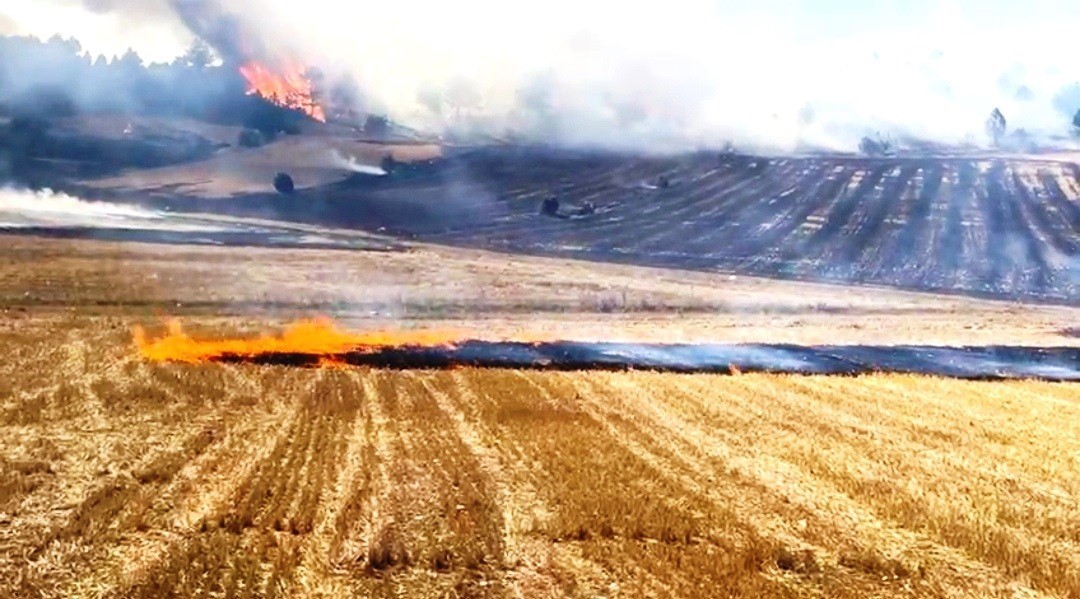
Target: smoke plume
x=350 y=163
x=22 y=208
x=682 y=74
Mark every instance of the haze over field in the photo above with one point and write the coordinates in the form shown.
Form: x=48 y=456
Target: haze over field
x=779 y=75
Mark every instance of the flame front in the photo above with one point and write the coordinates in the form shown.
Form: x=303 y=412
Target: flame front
x=317 y=337
x=290 y=88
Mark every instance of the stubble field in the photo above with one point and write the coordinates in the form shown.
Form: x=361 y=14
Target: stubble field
x=120 y=477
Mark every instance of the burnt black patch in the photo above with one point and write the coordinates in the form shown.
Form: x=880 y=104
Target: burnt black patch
x=981 y=363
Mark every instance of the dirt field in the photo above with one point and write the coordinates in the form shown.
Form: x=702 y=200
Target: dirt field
x=124 y=478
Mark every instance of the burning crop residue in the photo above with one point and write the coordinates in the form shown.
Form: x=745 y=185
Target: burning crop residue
x=289 y=88
x=320 y=344
x=318 y=340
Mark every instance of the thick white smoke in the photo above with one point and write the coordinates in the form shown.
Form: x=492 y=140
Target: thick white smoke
x=23 y=208
x=684 y=73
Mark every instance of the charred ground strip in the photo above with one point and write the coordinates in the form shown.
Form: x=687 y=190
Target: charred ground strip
x=977 y=363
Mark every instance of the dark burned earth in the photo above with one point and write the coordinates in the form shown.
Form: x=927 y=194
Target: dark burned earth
x=1055 y=364
x=994 y=225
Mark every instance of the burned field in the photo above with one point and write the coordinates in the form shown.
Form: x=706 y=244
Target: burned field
x=126 y=477
x=979 y=363
x=987 y=227
x=993 y=226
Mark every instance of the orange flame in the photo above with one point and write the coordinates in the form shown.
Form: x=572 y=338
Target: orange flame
x=317 y=337
x=290 y=88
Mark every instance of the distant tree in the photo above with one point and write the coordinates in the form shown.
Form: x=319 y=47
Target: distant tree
x=269 y=118
x=388 y=163
x=995 y=125
x=550 y=206
x=130 y=62
x=283 y=183
x=872 y=146
x=64 y=46
x=1076 y=122
x=198 y=56
x=377 y=126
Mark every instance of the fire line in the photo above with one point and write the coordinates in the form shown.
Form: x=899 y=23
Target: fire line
x=315 y=337
x=319 y=344
x=291 y=88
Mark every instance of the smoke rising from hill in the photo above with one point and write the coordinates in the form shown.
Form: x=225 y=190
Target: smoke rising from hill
x=673 y=76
